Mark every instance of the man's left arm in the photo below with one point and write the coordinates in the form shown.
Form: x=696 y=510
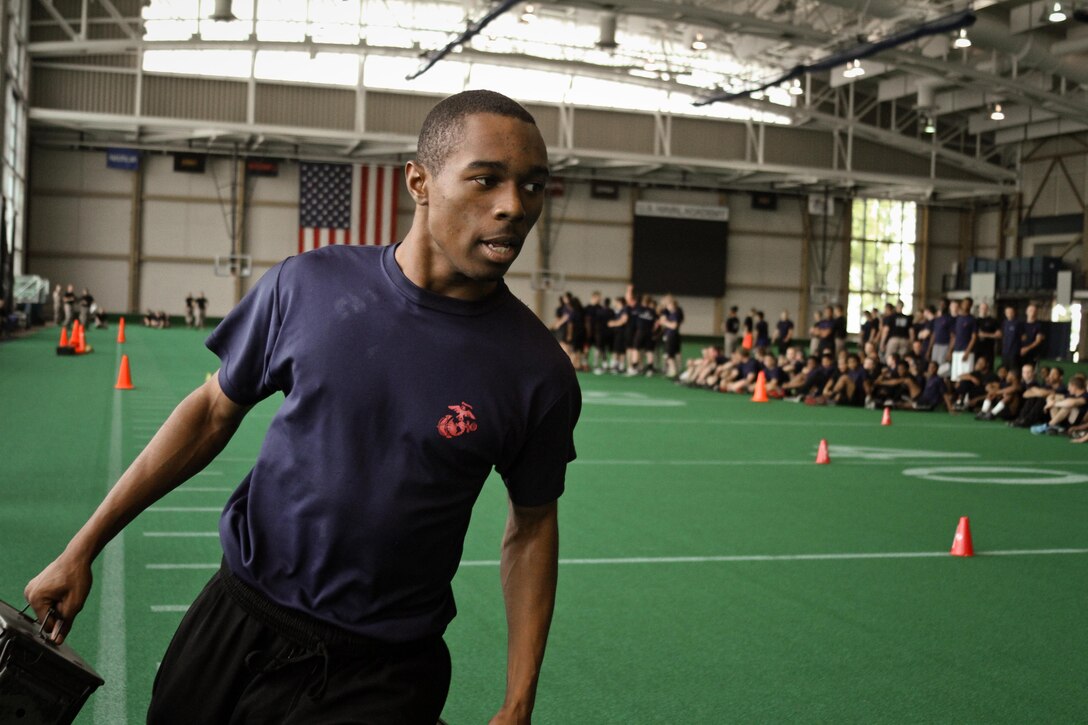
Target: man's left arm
x=529 y=570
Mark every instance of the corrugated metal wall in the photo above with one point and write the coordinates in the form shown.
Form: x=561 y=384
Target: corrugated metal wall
x=284 y=105
x=397 y=112
x=202 y=99
x=93 y=91
x=699 y=138
x=614 y=131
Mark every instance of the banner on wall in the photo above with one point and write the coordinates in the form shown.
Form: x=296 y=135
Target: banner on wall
x=346 y=204
x=125 y=159
x=262 y=167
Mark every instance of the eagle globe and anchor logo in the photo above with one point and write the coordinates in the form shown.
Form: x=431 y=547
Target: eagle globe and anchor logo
x=461 y=421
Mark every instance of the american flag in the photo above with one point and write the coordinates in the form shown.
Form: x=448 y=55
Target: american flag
x=331 y=212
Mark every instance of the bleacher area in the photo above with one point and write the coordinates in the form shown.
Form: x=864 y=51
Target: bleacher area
x=710 y=573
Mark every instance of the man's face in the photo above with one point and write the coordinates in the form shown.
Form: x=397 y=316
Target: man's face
x=953 y=308
x=983 y=310
x=1027 y=372
x=1010 y=313
x=1032 y=311
x=486 y=197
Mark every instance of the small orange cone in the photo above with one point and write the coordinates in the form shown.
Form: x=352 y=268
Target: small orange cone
x=887 y=419
x=747 y=342
x=821 y=452
x=73 y=339
x=121 y=331
x=81 y=340
x=961 y=544
x=63 y=338
x=124 y=375
x=761 y=388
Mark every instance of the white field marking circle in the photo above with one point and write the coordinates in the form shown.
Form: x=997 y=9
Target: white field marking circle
x=1026 y=477
x=638 y=400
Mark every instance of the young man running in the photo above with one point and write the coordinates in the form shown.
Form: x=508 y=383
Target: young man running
x=341 y=543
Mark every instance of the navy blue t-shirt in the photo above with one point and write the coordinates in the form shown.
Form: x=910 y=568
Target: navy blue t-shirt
x=398 y=404
x=942 y=329
x=1010 y=340
x=964 y=327
x=1028 y=332
x=784 y=327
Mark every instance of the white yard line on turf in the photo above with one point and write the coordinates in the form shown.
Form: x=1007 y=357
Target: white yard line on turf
x=731 y=559
x=181 y=534
x=111 y=705
x=748 y=422
x=158 y=608
x=203 y=489
x=837 y=462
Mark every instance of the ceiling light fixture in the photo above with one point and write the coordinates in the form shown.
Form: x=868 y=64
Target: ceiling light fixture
x=528 y=15
x=997 y=114
x=1057 y=14
x=698 y=42
x=962 y=41
x=795 y=88
x=931 y=125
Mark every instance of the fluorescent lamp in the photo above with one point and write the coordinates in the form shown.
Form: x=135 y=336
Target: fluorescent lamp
x=931 y=125
x=795 y=88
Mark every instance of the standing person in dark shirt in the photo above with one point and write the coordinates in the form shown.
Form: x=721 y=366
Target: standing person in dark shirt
x=620 y=327
x=762 y=333
x=201 y=307
x=593 y=330
x=783 y=334
x=671 y=318
x=1010 y=339
x=838 y=317
x=1031 y=336
x=941 y=339
x=190 y=311
x=69 y=298
x=964 y=339
x=989 y=332
x=341 y=543
x=825 y=332
x=85 y=301
x=732 y=329
x=865 y=331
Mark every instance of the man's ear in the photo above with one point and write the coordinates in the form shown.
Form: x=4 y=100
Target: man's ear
x=416 y=178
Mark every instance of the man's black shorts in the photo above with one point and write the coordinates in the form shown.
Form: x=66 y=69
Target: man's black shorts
x=239 y=658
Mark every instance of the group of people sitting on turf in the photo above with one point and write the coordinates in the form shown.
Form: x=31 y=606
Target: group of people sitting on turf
x=933 y=362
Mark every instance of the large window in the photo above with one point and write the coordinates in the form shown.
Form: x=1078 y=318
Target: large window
x=882 y=240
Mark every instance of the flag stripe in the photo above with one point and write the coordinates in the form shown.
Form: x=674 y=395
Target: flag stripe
x=380 y=188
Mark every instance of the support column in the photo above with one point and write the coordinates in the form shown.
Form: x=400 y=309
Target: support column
x=136 y=235
x=803 y=323
x=238 y=242
x=847 y=221
x=923 y=263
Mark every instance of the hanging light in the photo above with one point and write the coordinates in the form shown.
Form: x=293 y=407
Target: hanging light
x=698 y=42
x=962 y=41
x=528 y=15
x=757 y=94
x=997 y=114
x=795 y=88
x=931 y=125
x=1057 y=14
x=853 y=69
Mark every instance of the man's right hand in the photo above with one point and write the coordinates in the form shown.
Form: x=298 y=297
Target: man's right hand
x=62 y=586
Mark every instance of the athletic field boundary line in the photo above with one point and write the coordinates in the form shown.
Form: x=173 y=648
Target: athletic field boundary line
x=720 y=559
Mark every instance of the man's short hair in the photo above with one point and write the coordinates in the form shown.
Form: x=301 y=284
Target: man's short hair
x=440 y=131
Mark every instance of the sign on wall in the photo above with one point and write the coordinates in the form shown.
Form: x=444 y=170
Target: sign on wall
x=125 y=159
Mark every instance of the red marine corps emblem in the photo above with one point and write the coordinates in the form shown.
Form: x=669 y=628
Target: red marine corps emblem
x=462 y=421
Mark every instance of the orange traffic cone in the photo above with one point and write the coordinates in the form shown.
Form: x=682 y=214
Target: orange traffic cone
x=73 y=340
x=81 y=340
x=821 y=452
x=761 y=388
x=124 y=375
x=63 y=338
x=961 y=545
x=887 y=419
x=747 y=342
x=121 y=331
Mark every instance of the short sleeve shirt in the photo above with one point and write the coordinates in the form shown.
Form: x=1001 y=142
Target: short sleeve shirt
x=398 y=405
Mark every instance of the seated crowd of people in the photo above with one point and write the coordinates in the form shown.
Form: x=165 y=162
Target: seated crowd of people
x=943 y=360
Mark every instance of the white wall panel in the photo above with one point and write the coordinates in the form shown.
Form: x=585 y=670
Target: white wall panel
x=593 y=250
x=74 y=224
x=273 y=233
x=184 y=229
x=107 y=280
x=164 y=286
x=83 y=171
